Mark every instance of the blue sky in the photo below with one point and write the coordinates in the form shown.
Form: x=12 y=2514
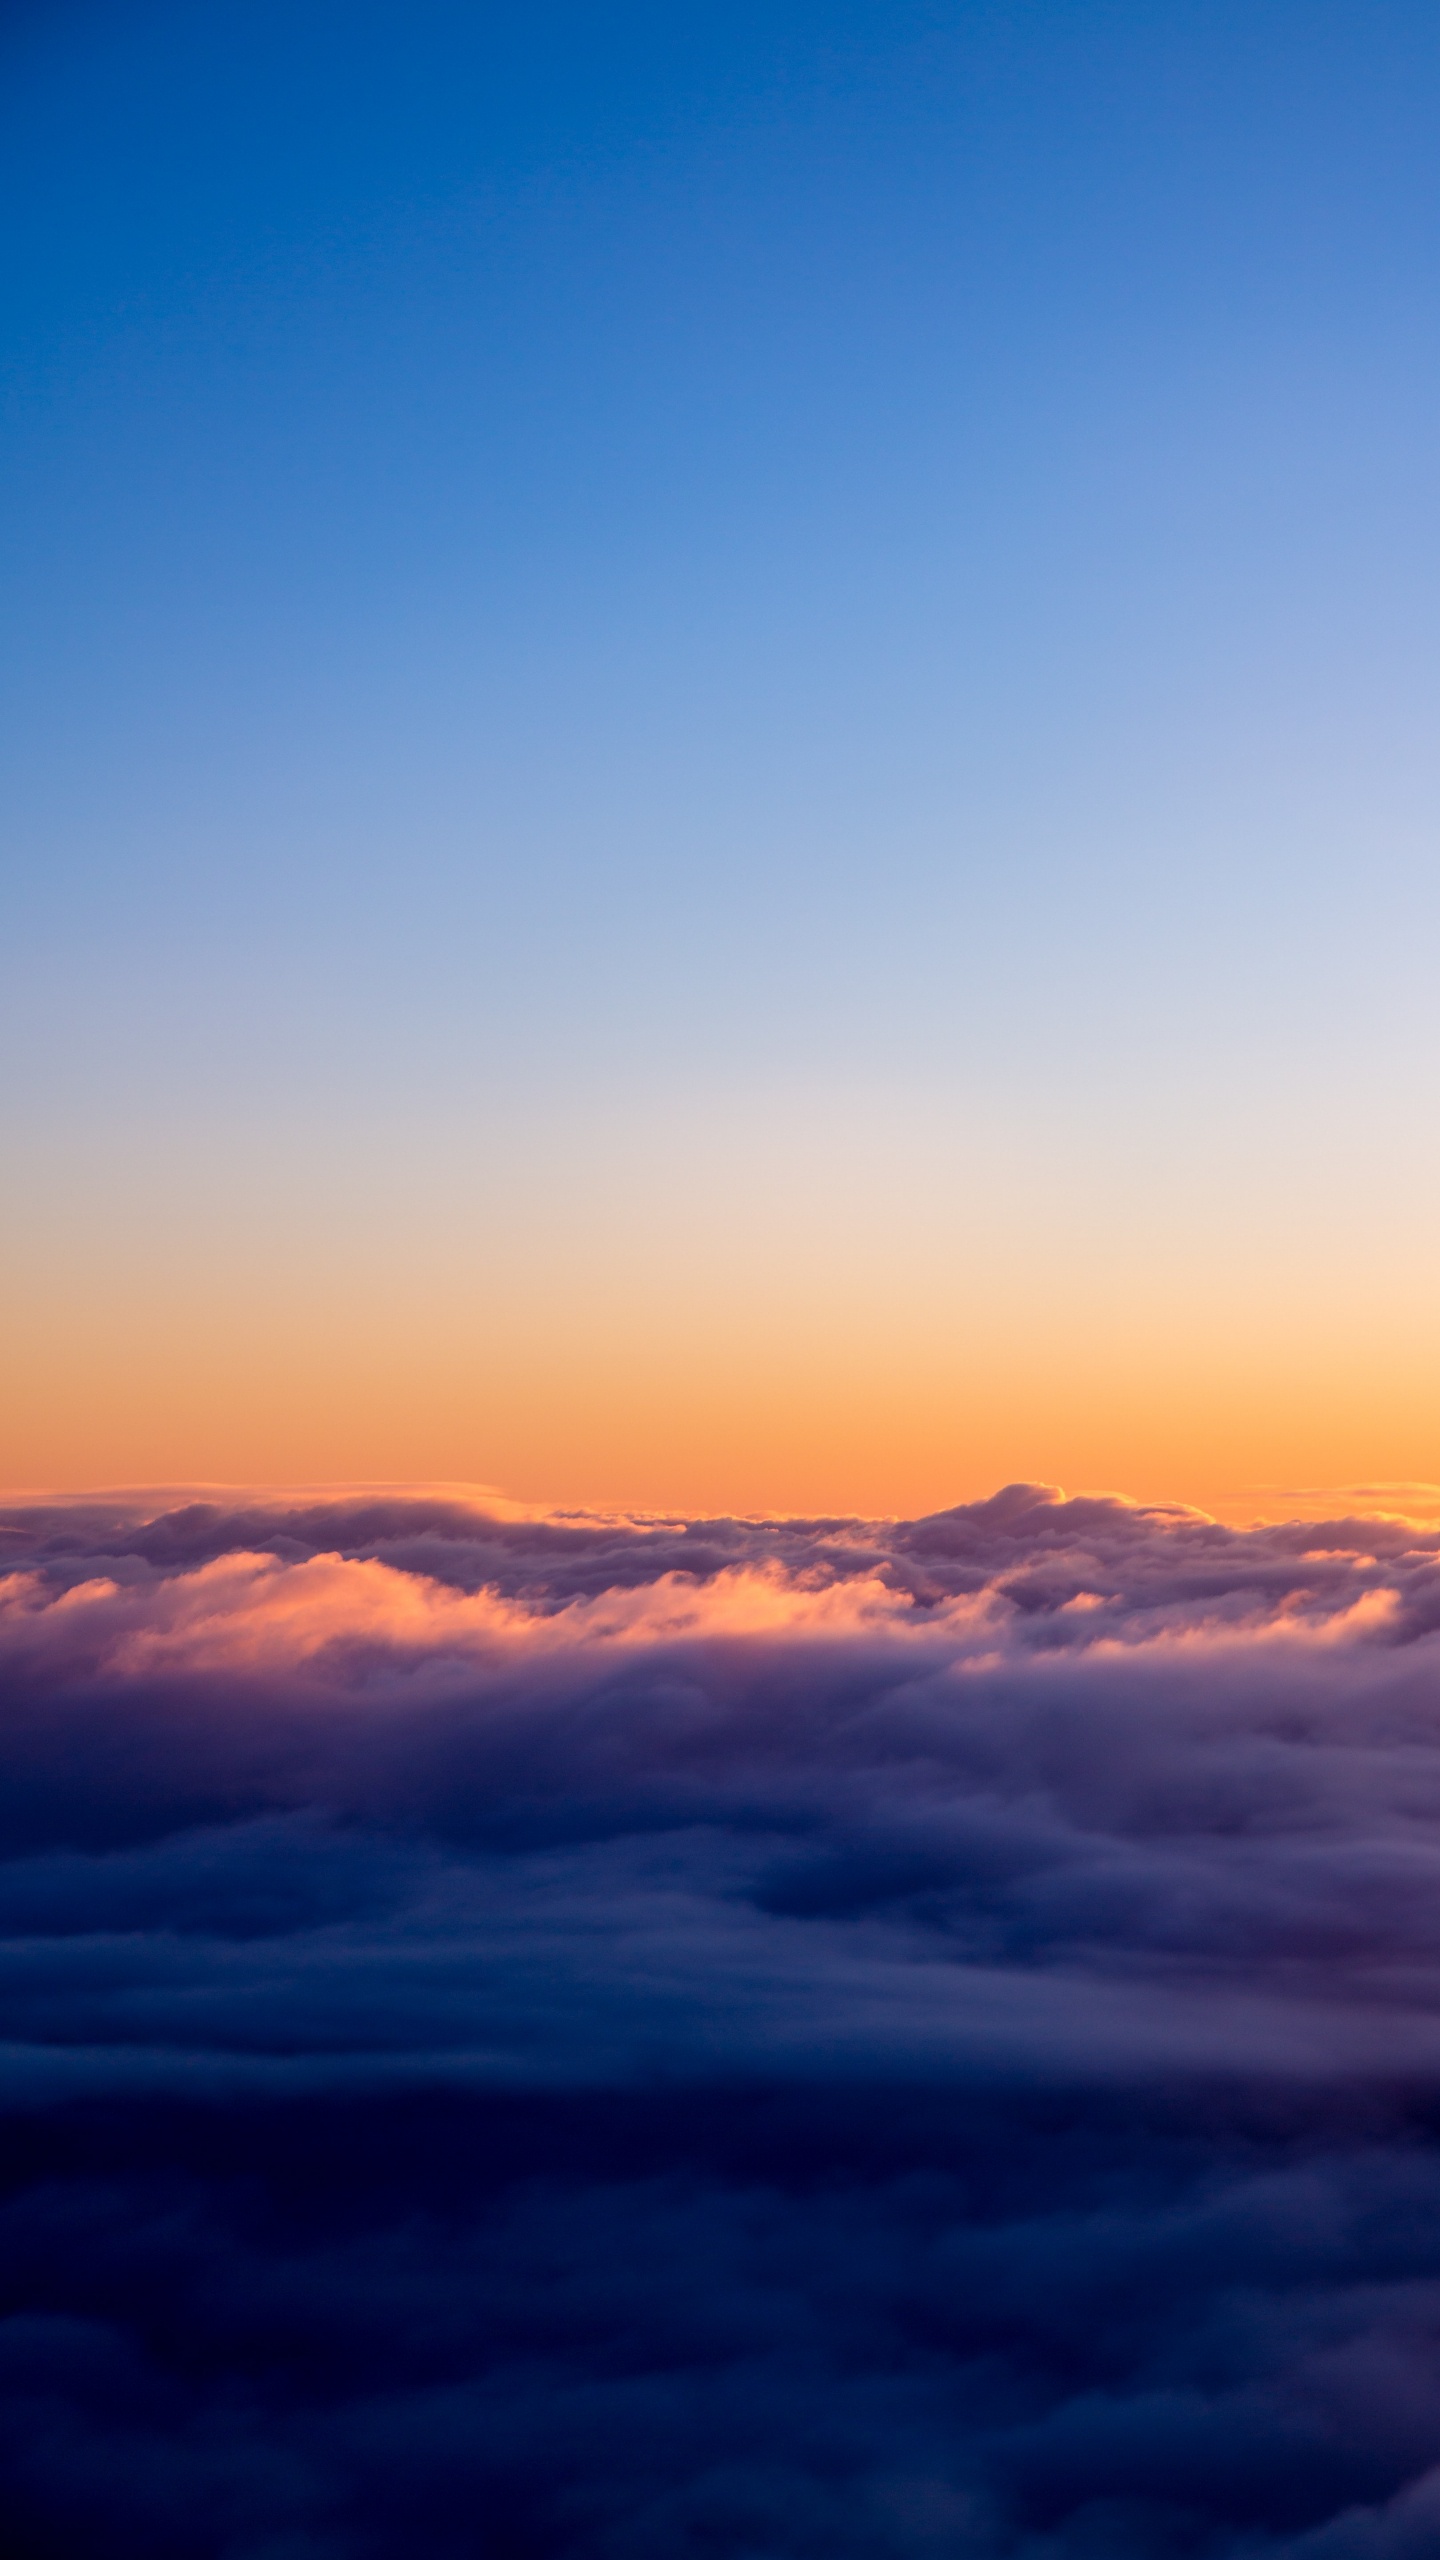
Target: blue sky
x=606 y=584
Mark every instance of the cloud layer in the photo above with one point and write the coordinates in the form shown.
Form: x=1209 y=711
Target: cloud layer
x=605 y=2038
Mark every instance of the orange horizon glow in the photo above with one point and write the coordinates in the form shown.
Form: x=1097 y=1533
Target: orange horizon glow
x=744 y=1420
x=783 y=1322
x=1417 y=1504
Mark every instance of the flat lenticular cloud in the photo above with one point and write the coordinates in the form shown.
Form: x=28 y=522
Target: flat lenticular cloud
x=579 y=2036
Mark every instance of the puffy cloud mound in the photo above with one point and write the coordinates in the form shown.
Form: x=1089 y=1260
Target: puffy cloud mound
x=556 y=2038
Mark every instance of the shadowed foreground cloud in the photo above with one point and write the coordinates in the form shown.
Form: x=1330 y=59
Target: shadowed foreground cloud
x=575 y=2039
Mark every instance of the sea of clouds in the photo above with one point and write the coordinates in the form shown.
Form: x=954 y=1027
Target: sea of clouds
x=561 y=2038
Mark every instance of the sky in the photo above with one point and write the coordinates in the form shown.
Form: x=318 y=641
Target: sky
x=720 y=774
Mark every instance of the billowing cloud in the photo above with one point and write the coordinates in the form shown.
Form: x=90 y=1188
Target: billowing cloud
x=612 y=2038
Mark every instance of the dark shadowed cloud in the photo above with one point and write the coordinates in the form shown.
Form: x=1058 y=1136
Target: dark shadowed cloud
x=608 y=2038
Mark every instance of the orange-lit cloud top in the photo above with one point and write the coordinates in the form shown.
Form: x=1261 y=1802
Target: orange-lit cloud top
x=1112 y=1575
x=437 y=1569
x=251 y=1614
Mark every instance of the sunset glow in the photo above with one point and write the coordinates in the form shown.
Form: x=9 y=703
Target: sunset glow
x=719 y=1402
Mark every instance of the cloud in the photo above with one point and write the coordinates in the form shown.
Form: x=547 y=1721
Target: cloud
x=610 y=2037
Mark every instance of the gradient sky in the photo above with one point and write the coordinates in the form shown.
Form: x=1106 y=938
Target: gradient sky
x=721 y=764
